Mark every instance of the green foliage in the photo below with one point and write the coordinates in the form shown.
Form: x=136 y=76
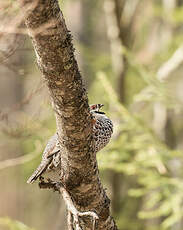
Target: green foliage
x=13 y=224
x=136 y=151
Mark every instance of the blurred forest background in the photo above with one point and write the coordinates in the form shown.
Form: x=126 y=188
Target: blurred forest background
x=130 y=54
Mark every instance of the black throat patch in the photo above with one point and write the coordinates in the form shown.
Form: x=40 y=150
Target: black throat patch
x=99 y=112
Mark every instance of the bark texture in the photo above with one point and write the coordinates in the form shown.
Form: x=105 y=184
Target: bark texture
x=55 y=57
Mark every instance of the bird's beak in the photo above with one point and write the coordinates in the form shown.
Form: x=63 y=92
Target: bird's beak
x=100 y=106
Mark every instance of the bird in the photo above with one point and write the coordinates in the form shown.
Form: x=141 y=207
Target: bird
x=102 y=132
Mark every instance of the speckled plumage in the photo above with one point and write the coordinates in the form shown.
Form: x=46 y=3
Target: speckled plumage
x=102 y=131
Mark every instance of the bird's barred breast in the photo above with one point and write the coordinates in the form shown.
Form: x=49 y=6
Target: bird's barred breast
x=102 y=132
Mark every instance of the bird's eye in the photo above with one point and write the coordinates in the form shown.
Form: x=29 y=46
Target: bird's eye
x=93 y=107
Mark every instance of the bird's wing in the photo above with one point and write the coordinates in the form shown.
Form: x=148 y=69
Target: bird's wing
x=38 y=172
x=52 y=148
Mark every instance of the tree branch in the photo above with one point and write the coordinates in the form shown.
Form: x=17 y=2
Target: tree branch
x=171 y=65
x=55 y=57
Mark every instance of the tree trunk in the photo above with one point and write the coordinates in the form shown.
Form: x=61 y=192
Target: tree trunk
x=55 y=57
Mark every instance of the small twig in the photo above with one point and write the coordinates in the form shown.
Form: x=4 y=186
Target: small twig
x=16 y=22
x=45 y=28
x=171 y=65
x=74 y=212
x=12 y=47
x=164 y=74
x=70 y=221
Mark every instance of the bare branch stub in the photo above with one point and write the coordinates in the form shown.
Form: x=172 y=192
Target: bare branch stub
x=55 y=57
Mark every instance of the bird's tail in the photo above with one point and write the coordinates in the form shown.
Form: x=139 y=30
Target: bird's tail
x=37 y=173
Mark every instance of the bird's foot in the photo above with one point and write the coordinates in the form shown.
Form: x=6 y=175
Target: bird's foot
x=49 y=184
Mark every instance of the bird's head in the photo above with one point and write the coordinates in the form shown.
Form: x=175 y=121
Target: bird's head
x=96 y=108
